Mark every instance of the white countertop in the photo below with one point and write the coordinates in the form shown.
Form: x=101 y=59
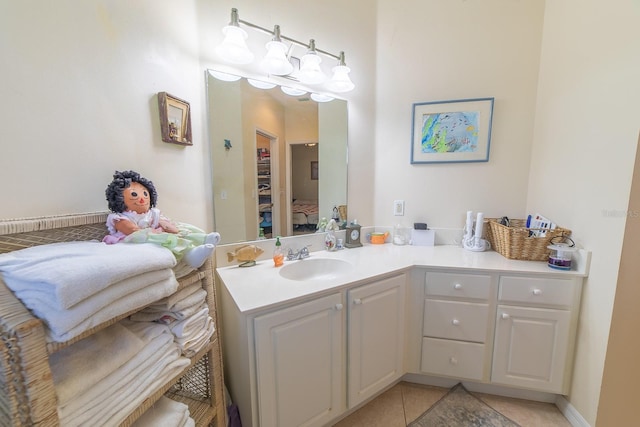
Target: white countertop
x=262 y=286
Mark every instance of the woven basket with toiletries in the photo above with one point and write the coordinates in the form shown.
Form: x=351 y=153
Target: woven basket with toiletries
x=516 y=241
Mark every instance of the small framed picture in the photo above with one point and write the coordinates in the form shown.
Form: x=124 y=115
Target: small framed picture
x=451 y=131
x=175 y=119
x=314 y=170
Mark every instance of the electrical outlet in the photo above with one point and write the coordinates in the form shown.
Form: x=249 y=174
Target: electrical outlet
x=223 y=194
x=398 y=207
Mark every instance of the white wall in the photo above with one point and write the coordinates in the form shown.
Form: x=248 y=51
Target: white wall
x=447 y=50
x=586 y=132
x=79 y=85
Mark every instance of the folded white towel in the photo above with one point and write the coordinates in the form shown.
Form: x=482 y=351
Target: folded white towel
x=144 y=390
x=166 y=413
x=195 y=298
x=112 y=408
x=190 y=346
x=72 y=271
x=160 y=350
x=64 y=325
x=165 y=316
x=82 y=365
x=183 y=293
x=192 y=324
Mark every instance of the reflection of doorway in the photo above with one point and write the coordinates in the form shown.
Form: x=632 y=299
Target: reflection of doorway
x=267 y=188
x=302 y=188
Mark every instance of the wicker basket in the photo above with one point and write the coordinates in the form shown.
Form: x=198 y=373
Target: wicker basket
x=514 y=242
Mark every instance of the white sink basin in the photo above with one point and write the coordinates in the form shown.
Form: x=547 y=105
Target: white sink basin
x=315 y=269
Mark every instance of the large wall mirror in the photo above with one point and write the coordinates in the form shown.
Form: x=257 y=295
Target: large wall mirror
x=279 y=162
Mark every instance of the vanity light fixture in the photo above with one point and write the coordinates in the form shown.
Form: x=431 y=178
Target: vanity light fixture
x=292 y=91
x=319 y=97
x=225 y=77
x=276 y=61
x=261 y=84
x=310 y=72
x=279 y=56
x=340 y=81
x=234 y=47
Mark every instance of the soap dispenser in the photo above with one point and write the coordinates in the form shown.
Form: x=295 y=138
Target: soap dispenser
x=278 y=253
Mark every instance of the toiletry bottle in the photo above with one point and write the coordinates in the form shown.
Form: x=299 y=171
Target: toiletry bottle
x=278 y=254
x=330 y=238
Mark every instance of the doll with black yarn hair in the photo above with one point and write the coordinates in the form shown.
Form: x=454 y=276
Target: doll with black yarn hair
x=136 y=219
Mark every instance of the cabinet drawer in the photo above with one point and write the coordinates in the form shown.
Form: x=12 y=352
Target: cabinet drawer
x=458 y=285
x=541 y=291
x=452 y=358
x=455 y=320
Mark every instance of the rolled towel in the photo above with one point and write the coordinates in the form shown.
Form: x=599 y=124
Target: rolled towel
x=183 y=293
x=192 y=324
x=195 y=298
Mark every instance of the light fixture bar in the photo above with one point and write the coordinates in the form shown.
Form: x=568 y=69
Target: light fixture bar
x=289 y=39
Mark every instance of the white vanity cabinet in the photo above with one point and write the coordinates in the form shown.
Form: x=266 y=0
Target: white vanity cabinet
x=457 y=325
x=536 y=322
x=376 y=337
x=306 y=354
x=299 y=363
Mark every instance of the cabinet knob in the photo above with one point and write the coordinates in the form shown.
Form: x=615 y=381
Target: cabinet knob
x=536 y=292
x=453 y=360
x=338 y=307
x=457 y=286
x=505 y=316
x=357 y=301
x=455 y=322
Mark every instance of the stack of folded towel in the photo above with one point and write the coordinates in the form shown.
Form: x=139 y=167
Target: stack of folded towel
x=166 y=413
x=101 y=379
x=186 y=313
x=75 y=286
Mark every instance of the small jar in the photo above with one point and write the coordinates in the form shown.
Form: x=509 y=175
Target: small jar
x=400 y=235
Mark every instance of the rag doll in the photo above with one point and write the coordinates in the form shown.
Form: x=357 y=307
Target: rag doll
x=135 y=219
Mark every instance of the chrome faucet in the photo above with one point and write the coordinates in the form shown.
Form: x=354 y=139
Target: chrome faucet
x=301 y=254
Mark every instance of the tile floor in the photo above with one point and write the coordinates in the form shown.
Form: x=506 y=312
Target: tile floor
x=405 y=402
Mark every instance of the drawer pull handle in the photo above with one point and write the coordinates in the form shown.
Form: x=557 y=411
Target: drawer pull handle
x=453 y=360
x=455 y=322
x=457 y=286
x=536 y=292
x=338 y=307
x=357 y=301
x=505 y=316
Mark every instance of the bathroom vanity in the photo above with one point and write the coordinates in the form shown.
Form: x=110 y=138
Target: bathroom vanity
x=307 y=343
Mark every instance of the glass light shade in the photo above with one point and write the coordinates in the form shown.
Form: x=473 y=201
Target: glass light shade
x=318 y=97
x=225 y=77
x=340 y=81
x=292 y=91
x=310 y=72
x=276 y=62
x=234 y=48
x=260 y=84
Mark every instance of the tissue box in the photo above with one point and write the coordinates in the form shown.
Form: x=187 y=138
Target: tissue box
x=423 y=237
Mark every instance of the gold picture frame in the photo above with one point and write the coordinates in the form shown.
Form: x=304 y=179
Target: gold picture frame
x=175 y=119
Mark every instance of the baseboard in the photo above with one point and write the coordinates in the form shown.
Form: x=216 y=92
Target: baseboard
x=570 y=413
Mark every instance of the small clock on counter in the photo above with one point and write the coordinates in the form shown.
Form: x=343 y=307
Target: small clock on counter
x=352 y=234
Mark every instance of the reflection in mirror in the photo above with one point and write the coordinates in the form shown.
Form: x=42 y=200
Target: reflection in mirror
x=279 y=162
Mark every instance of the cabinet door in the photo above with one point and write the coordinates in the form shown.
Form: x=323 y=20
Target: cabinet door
x=376 y=337
x=530 y=348
x=299 y=360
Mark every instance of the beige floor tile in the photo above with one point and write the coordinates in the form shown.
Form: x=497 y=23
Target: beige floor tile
x=384 y=411
x=405 y=402
x=525 y=412
x=418 y=398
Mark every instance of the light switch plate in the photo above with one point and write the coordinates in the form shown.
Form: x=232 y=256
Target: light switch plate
x=398 y=207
